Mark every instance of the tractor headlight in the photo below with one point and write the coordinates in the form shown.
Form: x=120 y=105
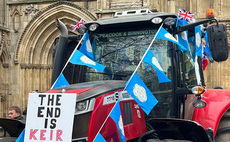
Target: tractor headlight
x=169 y=21
x=156 y=20
x=84 y=106
x=81 y=106
x=93 y=27
x=199 y=103
x=82 y=29
x=198 y=90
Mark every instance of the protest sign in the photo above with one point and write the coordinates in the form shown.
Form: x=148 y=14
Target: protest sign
x=50 y=117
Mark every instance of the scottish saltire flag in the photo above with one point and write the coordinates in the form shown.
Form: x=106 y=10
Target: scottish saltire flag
x=198 y=41
x=116 y=116
x=61 y=81
x=183 y=36
x=140 y=93
x=150 y=59
x=86 y=47
x=99 y=138
x=21 y=137
x=185 y=15
x=163 y=34
x=77 y=25
x=80 y=59
x=207 y=49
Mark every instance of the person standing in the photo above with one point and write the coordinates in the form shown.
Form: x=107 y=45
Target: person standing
x=15 y=113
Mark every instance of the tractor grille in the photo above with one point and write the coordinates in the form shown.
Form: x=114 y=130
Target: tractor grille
x=80 y=125
x=127 y=110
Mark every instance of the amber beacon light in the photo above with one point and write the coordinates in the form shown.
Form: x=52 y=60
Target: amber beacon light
x=210 y=13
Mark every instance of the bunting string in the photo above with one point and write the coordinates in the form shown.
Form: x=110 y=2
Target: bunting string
x=144 y=55
x=131 y=76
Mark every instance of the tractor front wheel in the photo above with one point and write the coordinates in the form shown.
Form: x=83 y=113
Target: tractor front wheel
x=223 y=131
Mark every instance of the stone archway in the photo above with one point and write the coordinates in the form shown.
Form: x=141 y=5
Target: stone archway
x=4 y=80
x=34 y=50
x=41 y=29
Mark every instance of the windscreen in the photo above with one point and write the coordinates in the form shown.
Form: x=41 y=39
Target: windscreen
x=192 y=75
x=121 y=52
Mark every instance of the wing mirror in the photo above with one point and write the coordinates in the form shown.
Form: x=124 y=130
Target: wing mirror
x=218 y=42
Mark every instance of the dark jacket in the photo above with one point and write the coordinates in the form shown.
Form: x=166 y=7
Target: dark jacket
x=21 y=118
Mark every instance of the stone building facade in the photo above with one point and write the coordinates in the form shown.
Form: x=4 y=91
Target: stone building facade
x=27 y=31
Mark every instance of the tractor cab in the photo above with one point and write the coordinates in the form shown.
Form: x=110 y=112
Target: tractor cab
x=119 y=43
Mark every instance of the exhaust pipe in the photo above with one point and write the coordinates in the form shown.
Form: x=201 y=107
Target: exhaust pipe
x=61 y=26
x=59 y=50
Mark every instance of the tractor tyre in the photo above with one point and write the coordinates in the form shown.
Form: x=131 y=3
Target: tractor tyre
x=153 y=135
x=223 y=131
x=168 y=140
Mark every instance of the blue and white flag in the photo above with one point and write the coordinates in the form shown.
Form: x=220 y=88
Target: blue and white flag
x=99 y=138
x=80 y=59
x=61 y=81
x=140 y=93
x=150 y=59
x=183 y=36
x=163 y=34
x=207 y=49
x=116 y=116
x=86 y=47
x=192 y=42
x=21 y=137
x=198 y=41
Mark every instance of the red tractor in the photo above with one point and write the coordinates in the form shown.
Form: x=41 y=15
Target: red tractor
x=185 y=110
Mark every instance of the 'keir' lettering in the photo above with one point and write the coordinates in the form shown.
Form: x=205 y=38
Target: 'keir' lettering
x=36 y=134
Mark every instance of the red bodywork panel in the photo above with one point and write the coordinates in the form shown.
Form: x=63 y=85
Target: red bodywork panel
x=134 y=117
x=189 y=108
x=217 y=104
x=101 y=112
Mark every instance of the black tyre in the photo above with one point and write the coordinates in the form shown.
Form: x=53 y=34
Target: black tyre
x=154 y=137
x=168 y=140
x=223 y=131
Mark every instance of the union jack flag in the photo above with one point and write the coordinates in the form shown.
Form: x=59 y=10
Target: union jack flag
x=185 y=15
x=204 y=57
x=204 y=61
x=77 y=25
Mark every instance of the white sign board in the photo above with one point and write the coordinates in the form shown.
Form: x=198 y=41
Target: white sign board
x=50 y=117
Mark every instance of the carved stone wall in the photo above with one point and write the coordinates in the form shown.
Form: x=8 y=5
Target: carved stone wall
x=2 y=12
x=4 y=70
x=26 y=64
x=27 y=31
